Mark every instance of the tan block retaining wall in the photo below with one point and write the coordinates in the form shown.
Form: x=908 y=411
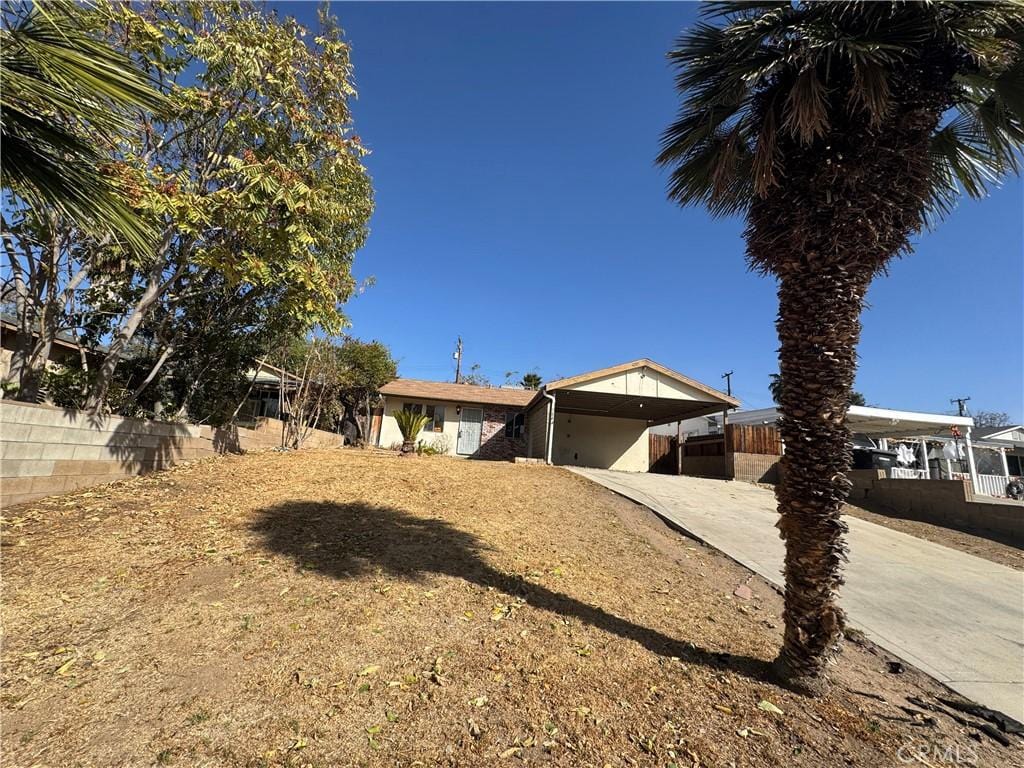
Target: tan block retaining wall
x=755 y=467
x=46 y=450
x=948 y=503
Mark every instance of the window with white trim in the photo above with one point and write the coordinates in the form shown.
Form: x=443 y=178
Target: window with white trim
x=515 y=425
x=435 y=415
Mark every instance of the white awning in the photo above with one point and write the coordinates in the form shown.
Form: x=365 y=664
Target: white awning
x=884 y=422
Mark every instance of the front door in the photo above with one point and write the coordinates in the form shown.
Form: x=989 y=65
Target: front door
x=470 y=426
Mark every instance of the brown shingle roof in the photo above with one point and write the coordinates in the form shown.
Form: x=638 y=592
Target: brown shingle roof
x=458 y=393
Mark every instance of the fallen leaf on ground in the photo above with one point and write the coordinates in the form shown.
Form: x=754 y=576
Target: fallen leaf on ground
x=767 y=706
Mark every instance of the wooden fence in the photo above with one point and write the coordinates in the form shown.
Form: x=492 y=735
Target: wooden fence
x=753 y=438
x=704 y=445
x=663 y=454
x=739 y=438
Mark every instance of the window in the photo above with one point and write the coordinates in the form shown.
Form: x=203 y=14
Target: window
x=435 y=415
x=515 y=424
x=1015 y=464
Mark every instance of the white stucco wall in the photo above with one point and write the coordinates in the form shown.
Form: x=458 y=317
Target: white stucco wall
x=601 y=442
x=641 y=381
x=391 y=435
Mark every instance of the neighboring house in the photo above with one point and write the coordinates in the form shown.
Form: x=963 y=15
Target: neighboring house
x=597 y=419
x=65 y=347
x=269 y=388
x=463 y=419
x=1011 y=440
x=989 y=455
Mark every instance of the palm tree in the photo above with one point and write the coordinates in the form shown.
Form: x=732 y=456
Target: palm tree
x=838 y=130
x=531 y=380
x=67 y=97
x=410 y=424
x=775 y=388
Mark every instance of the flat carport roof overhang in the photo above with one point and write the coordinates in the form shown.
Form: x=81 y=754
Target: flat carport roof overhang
x=884 y=422
x=654 y=410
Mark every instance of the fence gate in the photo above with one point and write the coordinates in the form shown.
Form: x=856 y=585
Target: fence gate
x=662 y=452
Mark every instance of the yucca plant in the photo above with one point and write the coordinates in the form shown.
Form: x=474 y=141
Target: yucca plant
x=410 y=424
x=838 y=130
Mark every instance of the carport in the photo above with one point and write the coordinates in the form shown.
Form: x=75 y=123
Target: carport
x=601 y=419
x=884 y=424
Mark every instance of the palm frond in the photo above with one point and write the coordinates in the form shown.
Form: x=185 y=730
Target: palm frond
x=752 y=76
x=67 y=98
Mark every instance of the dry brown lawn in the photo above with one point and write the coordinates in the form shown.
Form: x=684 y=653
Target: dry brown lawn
x=337 y=608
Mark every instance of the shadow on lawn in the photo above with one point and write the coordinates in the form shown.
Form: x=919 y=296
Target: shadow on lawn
x=346 y=540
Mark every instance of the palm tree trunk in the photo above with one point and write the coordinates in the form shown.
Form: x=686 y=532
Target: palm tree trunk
x=819 y=327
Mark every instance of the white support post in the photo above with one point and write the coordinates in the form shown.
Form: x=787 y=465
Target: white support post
x=924 y=460
x=549 y=442
x=1006 y=464
x=970 y=461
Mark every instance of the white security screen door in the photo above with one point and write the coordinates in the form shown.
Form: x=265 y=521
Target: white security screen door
x=470 y=426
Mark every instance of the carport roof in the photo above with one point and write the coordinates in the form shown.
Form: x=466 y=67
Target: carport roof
x=653 y=409
x=644 y=362
x=885 y=422
x=873 y=422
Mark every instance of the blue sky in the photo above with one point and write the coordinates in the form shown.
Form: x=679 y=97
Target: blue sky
x=518 y=205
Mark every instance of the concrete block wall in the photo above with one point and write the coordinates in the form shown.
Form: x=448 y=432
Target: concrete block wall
x=754 y=467
x=947 y=503
x=46 y=451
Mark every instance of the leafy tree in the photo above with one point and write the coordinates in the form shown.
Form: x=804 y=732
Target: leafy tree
x=366 y=367
x=531 y=380
x=194 y=353
x=991 y=419
x=255 y=173
x=856 y=398
x=315 y=403
x=838 y=129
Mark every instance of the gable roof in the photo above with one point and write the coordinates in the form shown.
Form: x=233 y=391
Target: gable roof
x=458 y=393
x=993 y=432
x=643 y=363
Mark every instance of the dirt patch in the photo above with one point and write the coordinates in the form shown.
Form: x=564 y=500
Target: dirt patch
x=336 y=608
x=979 y=546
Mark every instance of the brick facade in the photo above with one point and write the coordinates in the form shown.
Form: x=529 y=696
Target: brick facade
x=493 y=442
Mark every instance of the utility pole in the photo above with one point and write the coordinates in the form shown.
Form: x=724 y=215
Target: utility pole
x=960 y=404
x=728 y=382
x=457 y=354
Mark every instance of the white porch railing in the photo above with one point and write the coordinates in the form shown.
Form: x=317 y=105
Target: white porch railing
x=993 y=485
x=989 y=485
x=903 y=473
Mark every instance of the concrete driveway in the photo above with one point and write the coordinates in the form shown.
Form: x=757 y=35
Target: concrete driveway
x=955 y=616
